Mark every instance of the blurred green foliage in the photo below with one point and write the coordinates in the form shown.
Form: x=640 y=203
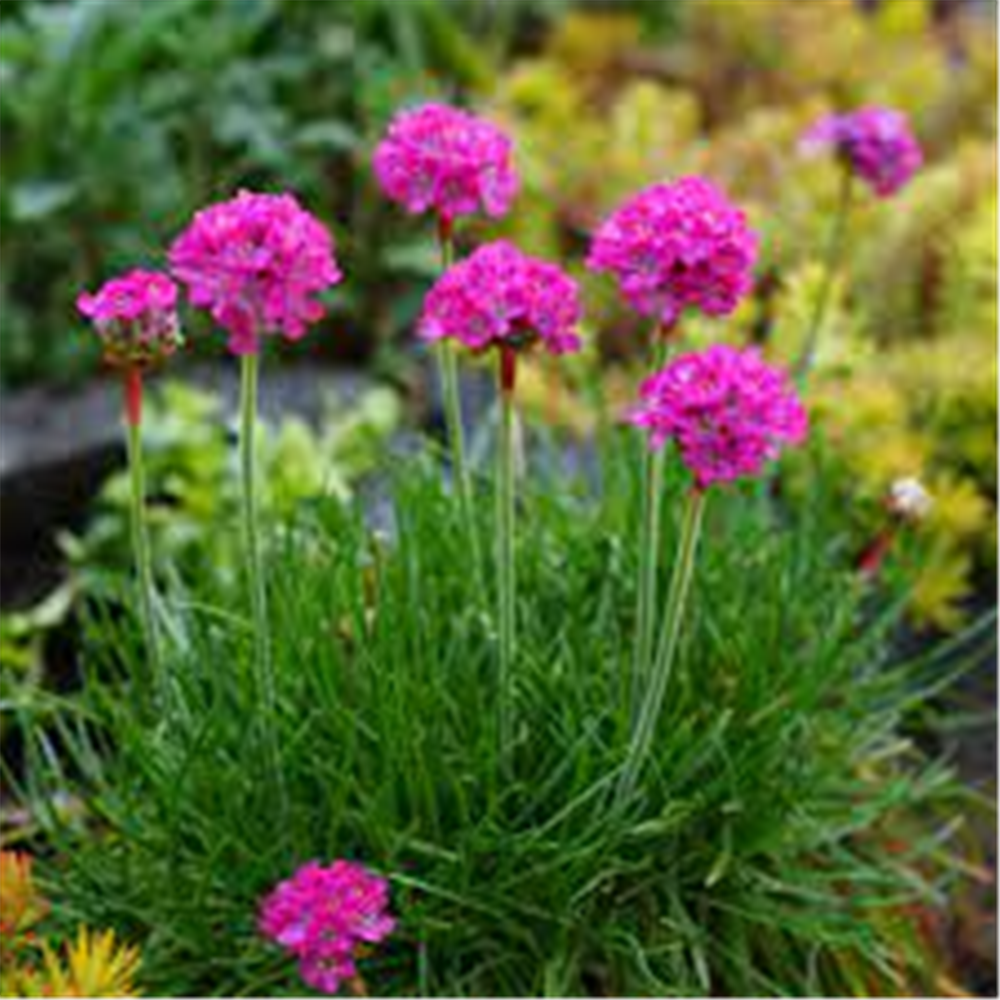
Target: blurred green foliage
x=194 y=489
x=119 y=118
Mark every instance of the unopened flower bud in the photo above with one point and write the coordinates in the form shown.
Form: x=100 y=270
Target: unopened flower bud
x=136 y=318
x=909 y=500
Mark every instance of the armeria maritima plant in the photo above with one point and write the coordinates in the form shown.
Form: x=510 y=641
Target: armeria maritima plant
x=257 y=263
x=135 y=316
x=876 y=146
x=728 y=413
x=439 y=159
x=672 y=247
x=500 y=298
x=325 y=917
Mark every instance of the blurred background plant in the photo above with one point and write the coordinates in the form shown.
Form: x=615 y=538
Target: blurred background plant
x=906 y=382
x=118 y=119
x=36 y=962
x=193 y=490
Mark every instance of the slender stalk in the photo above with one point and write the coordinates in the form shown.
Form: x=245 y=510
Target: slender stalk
x=832 y=255
x=649 y=547
x=448 y=374
x=140 y=535
x=448 y=370
x=652 y=703
x=263 y=665
x=506 y=584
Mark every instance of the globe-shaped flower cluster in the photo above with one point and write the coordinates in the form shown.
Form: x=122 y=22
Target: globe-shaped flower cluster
x=323 y=914
x=442 y=159
x=500 y=296
x=677 y=246
x=876 y=143
x=728 y=411
x=135 y=315
x=256 y=262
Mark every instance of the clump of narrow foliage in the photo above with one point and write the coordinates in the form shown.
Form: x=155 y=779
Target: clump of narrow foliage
x=782 y=842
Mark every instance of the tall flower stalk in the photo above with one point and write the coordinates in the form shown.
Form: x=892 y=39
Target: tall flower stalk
x=651 y=703
x=832 y=256
x=728 y=413
x=132 y=380
x=651 y=480
x=136 y=318
x=876 y=146
x=249 y=376
x=671 y=247
x=448 y=375
x=501 y=299
x=505 y=527
x=256 y=262
x=450 y=390
x=440 y=159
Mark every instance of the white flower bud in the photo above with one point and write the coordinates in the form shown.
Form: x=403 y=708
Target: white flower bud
x=909 y=499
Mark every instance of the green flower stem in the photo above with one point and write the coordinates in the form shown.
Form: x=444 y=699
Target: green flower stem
x=506 y=587
x=140 y=535
x=836 y=243
x=263 y=665
x=448 y=369
x=649 y=547
x=649 y=714
x=448 y=374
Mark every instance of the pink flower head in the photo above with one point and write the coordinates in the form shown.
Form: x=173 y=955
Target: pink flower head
x=322 y=915
x=136 y=318
x=678 y=245
x=876 y=143
x=499 y=295
x=439 y=158
x=255 y=262
x=728 y=411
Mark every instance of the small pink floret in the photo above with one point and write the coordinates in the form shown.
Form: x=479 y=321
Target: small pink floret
x=676 y=246
x=135 y=316
x=876 y=143
x=442 y=159
x=256 y=262
x=322 y=914
x=499 y=295
x=728 y=411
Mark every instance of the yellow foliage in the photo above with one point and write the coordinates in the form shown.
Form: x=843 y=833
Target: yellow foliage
x=940 y=587
x=901 y=18
x=905 y=376
x=840 y=348
x=960 y=511
x=94 y=967
x=590 y=45
x=21 y=905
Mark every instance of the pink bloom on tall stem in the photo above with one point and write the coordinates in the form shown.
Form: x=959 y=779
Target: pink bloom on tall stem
x=728 y=411
x=875 y=143
x=675 y=246
x=256 y=262
x=323 y=915
x=135 y=316
x=442 y=159
x=500 y=296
